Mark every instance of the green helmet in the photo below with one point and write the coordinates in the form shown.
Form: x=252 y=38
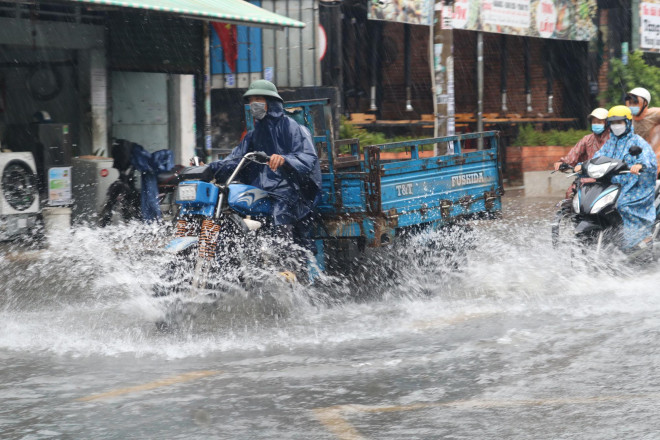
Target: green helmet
x=261 y=87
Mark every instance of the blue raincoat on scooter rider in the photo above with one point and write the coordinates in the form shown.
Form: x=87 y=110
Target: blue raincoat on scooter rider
x=635 y=203
x=296 y=185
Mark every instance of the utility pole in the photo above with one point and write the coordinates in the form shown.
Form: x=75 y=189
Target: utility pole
x=480 y=88
x=443 y=73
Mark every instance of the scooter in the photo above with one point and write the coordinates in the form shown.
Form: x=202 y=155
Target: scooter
x=591 y=214
x=217 y=222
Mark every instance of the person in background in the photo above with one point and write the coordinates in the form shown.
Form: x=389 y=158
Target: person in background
x=588 y=145
x=646 y=120
x=636 y=202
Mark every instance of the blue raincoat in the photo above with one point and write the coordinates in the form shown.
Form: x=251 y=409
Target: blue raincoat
x=296 y=186
x=635 y=203
x=150 y=164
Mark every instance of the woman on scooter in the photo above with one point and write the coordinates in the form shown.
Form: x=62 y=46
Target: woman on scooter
x=637 y=188
x=588 y=145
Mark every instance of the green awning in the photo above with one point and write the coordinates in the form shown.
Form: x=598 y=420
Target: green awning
x=226 y=11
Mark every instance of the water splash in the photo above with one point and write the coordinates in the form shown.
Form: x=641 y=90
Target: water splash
x=90 y=292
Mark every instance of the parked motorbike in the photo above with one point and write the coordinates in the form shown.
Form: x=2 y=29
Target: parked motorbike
x=124 y=197
x=217 y=223
x=590 y=217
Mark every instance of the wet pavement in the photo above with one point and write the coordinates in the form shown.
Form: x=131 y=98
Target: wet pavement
x=522 y=342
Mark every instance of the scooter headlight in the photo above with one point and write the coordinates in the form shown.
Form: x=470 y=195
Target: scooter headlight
x=186 y=193
x=604 y=201
x=576 y=203
x=598 y=171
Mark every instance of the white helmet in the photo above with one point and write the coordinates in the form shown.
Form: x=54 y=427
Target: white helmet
x=642 y=93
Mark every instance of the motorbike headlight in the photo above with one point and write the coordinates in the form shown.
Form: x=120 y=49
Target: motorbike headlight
x=598 y=171
x=576 y=203
x=186 y=192
x=604 y=201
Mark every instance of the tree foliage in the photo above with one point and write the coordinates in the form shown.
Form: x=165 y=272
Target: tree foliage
x=623 y=78
x=528 y=136
x=367 y=137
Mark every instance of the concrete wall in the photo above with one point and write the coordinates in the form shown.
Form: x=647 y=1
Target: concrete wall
x=182 y=117
x=545 y=184
x=537 y=163
x=155 y=110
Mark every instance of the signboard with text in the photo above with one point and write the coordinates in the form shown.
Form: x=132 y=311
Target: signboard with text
x=649 y=26
x=402 y=11
x=557 y=19
x=59 y=186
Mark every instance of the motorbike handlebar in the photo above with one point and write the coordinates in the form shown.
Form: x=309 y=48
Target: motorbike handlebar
x=563 y=167
x=259 y=157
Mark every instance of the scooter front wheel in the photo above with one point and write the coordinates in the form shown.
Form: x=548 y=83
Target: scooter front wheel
x=562 y=230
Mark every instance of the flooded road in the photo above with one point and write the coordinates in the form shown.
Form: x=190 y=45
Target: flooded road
x=522 y=342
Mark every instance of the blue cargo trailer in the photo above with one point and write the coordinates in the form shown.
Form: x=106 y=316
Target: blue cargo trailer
x=371 y=199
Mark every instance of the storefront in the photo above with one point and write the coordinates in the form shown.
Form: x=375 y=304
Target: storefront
x=105 y=69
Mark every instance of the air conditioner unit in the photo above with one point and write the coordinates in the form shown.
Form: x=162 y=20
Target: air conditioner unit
x=19 y=194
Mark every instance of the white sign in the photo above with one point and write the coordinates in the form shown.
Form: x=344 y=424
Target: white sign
x=546 y=18
x=268 y=74
x=59 y=186
x=649 y=26
x=99 y=87
x=323 y=42
x=512 y=13
x=402 y=11
x=447 y=17
x=461 y=11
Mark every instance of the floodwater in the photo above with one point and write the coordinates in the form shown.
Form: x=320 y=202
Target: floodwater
x=523 y=342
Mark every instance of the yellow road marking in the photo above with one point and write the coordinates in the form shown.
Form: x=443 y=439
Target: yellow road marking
x=332 y=418
x=334 y=422
x=186 y=377
x=441 y=322
x=25 y=256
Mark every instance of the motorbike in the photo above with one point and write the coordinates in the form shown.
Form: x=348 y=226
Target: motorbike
x=591 y=216
x=124 y=197
x=216 y=228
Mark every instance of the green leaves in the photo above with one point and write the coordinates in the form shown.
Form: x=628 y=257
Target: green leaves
x=528 y=136
x=636 y=74
x=366 y=137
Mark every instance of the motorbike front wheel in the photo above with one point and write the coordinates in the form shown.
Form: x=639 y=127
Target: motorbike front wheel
x=176 y=277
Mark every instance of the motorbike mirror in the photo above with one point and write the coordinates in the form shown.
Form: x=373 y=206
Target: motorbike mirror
x=635 y=150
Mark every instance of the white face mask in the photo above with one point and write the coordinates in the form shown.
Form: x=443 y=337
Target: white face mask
x=618 y=129
x=258 y=110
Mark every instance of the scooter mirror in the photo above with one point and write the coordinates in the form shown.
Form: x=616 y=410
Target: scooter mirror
x=635 y=150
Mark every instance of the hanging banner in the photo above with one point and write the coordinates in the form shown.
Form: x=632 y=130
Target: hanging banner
x=649 y=26
x=557 y=19
x=402 y=11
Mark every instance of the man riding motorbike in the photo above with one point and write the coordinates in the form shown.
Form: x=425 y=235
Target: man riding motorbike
x=293 y=174
x=646 y=120
x=635 y=204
